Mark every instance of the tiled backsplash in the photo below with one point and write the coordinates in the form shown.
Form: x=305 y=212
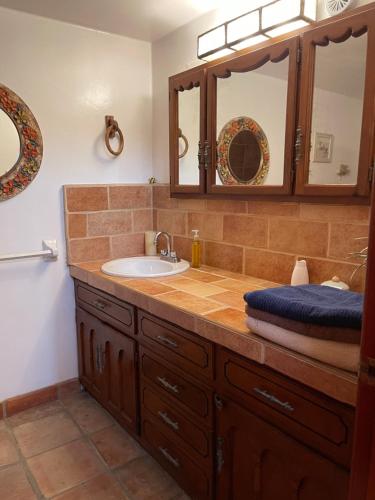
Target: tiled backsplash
x=264 y=238
x=259 y=238
x=106 y=222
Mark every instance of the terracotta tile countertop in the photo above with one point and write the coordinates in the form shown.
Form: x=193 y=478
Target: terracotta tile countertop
x=209 y=302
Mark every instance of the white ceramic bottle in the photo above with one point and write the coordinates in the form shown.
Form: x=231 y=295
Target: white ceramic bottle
x=300 y=275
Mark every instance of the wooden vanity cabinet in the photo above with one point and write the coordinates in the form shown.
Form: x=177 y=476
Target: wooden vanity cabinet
x=256 y=461
x=107 y=366
x=223 y=426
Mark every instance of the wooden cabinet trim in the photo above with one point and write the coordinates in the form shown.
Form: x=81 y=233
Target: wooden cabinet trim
x=183 y=83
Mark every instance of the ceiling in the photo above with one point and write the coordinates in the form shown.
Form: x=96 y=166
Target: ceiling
x=143 y=19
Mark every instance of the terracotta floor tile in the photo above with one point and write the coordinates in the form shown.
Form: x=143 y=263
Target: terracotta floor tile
x=188 y=301
x=14 y=484
x=103 y=487
x=8 y=450
x=116 y=446
x=90 y=416
x=73 y=399
x=144 y=479
x=65 y=467
x=45 y=434
x=35 y=413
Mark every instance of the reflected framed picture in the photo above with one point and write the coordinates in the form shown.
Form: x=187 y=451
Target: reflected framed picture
x=323 y=148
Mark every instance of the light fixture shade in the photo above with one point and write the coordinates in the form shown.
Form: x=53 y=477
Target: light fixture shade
x=217 y=54
x=280 y=12
x=249 y=42
x=309 y=10
x=212 y=40
x=285 y=28
x=243 y=26
x=272 y=19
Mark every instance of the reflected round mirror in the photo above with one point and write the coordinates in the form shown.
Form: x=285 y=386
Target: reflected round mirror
x=21 y=142
x=10 y=144
x=244 y=156
x=242 y=153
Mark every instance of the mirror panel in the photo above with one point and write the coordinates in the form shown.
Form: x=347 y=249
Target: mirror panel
x=338 y=94
x=10 y=144
x=188 y=136
x=260 y=97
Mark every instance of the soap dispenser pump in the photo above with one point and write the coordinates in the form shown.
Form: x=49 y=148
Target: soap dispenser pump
x=196 y=249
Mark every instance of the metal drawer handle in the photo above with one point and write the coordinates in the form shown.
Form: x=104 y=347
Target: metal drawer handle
x=273 y=399
x=164 y=416
x=167 y=341
x=169 y=457
x=99 y=304
x=168 y=385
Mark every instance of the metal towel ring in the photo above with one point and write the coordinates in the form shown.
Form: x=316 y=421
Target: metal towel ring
x=112 y=129
x=186 y=148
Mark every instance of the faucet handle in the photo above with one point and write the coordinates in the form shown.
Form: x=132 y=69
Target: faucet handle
x=164 y=253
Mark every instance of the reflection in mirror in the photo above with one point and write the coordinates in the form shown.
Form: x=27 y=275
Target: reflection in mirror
x=188 y=123
x=242 y=153
x=10 y=143
x=262 y=95
x=244 y=156
x=337 y=111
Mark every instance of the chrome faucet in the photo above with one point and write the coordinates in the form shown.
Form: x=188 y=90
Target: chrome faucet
x=168 y=254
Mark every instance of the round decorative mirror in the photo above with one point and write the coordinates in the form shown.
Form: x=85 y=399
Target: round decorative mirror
x=21 y=144
x=243 y=152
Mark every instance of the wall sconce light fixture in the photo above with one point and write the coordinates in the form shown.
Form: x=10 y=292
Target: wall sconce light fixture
x=268 y=21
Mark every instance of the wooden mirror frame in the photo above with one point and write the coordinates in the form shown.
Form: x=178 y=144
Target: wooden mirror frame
x=17 y=178
x=248 y=62
x=337 y=31
x=185 y=82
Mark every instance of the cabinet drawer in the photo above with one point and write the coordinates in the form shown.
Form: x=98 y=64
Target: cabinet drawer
x=107 y=308
x=288 y=403
x=190 y=396
x=184 y=469
x=179 y=346
x=177 y=426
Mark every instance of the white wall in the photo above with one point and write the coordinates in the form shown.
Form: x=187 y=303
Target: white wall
x=340 y=116
x=70 y=77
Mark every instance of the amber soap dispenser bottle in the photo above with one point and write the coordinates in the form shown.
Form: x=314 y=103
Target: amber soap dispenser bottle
x=196 y=249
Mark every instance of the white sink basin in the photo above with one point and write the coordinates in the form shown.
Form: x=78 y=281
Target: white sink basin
x=143 y=267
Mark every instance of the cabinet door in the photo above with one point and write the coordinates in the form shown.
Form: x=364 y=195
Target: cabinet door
x=251 y=121
x=335 y=151
x=187 y=123
x=256 y=461
x=118 y=366
x=89 y=338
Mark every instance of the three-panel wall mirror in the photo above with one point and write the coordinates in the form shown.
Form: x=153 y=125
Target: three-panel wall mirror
x=291 y=117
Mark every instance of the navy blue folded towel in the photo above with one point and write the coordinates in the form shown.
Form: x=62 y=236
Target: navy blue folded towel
x=317 y=304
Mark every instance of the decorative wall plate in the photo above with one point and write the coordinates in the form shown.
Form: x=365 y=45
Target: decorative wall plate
x=243 y=155
x=19 y=176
